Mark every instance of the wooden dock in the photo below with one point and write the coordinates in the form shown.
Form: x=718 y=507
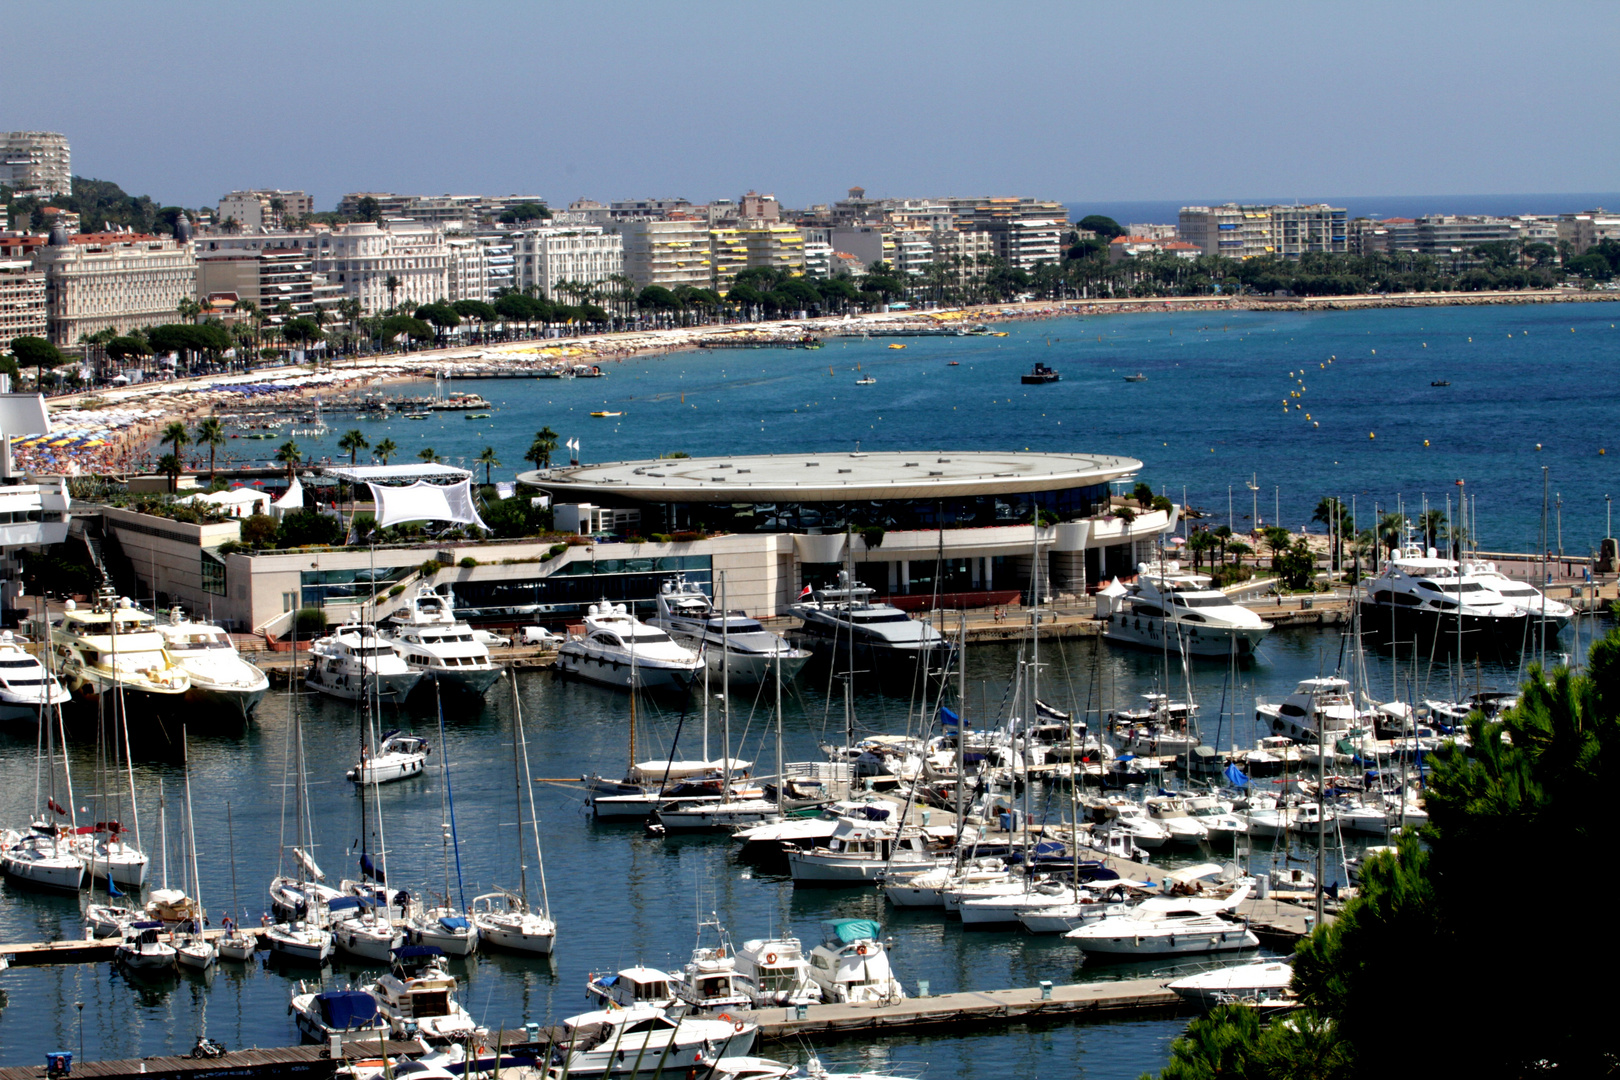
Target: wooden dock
x=1068 y=1003
x=307 y=1061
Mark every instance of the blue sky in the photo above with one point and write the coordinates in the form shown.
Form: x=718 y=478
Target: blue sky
x=708 y=98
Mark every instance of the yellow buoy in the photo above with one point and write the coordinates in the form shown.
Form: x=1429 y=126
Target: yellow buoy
x=1425 y=442
x=1307 y=416
x=1370 y=435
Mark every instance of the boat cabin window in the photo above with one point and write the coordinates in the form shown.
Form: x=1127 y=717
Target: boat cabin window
x=881 y=617
x=1451 y=587
x=429 y=1003
x=193 y=642
x=646 y=637
x=652 y=1023
x=718 y=986
x=1183 y=600
x=26 y=662
x=1148 y=610
x=652 y=991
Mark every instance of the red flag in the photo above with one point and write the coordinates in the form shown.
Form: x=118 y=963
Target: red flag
x=52 y=803
x=805 y=591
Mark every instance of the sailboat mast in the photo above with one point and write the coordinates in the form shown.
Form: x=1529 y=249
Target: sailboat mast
x=230 y=838
x=725 y=691
x=163 y=831
x=195 y=891
x=534 y=818
x=961 y=716
x=781 y=772
x=517 y=782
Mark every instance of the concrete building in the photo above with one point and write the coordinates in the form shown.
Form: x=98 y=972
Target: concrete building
x=1583 y=230
x=671 y=252
x=756 y=207
x=964 y=251
x=817 y=258
x=1454 y=236
x=1024 y=232
x=268 y=208
x=121 y=281
x=362 y=257
x=655 y=209
x=1299 y=230
x=868 y=243
x=22 y=300
x=36 y=163
x=774 y=246
x=1233 y=231
x=1121 y=248
x=913 y=252
x=1152 y=232
x=546 y=256
x=477 y=267
x=451 y=213
x=389 y=204
x=269 y=277
x=728 y=254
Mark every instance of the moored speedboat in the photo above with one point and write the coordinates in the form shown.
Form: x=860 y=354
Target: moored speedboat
x=320 y=1014
x=220 y=678
x=1264 y=979
x=610 y=1041
x=417 y=997
x=1169 y=925
x=143 y=948
x=398 y=757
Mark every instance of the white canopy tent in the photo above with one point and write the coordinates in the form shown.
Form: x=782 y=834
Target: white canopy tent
x=417 y=491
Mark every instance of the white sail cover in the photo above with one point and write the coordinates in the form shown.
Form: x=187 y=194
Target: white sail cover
x=308 y=863
x=422 y=501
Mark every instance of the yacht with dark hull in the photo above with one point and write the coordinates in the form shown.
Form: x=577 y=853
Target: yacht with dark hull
x=1437 y=605
x=848 y=627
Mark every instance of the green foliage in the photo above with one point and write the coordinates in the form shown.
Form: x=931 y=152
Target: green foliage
x=184 y=338
x=301 y=331
x=540 y=451
x=1105 y=227
x=1231 y=1043
x=430 y=567
x=310 y=622
x=467 y=562
x=1296 y=566
x=1162 y=502
x=676 y=454
x=477 y=310
x=415 y=329
x=120 y=349
x=872 y=534
x=525 y=212
x=99 y=204
x=1143 y=494
x=307 y=528
x=386 y=449
x=515 y=517
x=396 y=590
x=259 y=531
x=1125 y=514
x=36 y=352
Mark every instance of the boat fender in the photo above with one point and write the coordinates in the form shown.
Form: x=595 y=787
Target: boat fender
x=860 y=950
x=770 y=958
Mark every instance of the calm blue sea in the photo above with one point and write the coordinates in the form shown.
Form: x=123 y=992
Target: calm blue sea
x=1209 y=416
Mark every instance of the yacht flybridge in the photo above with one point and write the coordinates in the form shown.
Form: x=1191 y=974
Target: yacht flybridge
x=726 y=639
x=116 y=644
x=355 y=662
x=848 y=626
x=429 y=638
x=1437 y=604
x=220 y=678
x=619 y=650
x=1170 y=608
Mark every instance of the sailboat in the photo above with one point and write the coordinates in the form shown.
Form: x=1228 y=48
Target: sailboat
x=445 y=926
x=361 y=920
x=299 y=900
x=43 y=855
x=235 y=945
x=504 y=918
x=107 y=852
x=195 y=951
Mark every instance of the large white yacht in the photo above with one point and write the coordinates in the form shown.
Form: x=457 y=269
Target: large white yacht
x=116 y=644
x=619 y=650
x=728 y=641
x=1551 y=615
x=220 y=678
x=25 y=688
x=845 y=623
x=1316 y=706
x=861 y=850
x=1170 y=608
x=426 y=633
x=356 y=661
x=1433 y=604
x=608 y=1042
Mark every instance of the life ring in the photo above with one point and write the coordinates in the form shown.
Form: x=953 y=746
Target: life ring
x=738 y=1026
x=860 y=950
x=770 y=958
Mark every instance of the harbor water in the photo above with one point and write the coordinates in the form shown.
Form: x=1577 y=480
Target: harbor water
x=1215 y=383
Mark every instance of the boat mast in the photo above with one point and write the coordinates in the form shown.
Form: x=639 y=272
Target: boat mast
x=961 y=718
x=517 y=783
x=230 y=837
x=725 y=691
x=781 y=772
x=534 y=819
x=195 y=892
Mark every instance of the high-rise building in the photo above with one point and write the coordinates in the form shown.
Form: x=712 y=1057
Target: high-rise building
x=122 y=281
x=546 y=257
x=22 y=300
x=773 y=245
x=36 y=163
x=1298 y=230
x=1025 y=232
x=728 y=254
x=670 y=253
x=268 y=277
x=478 y=267
x=1245 y=232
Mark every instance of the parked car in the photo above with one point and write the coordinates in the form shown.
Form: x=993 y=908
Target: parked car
x=490 y=640
x=539 y=635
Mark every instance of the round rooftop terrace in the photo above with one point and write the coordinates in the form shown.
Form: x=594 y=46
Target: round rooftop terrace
x=834 y=477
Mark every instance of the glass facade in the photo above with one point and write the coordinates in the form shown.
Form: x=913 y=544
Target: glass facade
x=974 y=511
x=564 y=595
x=322 y=587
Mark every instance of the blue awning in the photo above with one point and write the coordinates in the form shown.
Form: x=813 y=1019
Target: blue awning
x=850 y=930
x=347 y=1010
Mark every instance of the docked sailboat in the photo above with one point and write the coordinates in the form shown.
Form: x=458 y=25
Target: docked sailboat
x=43 y=855
x=192 y=949
x=117 y=645
x=444 y=926
x=1170 y=608
x=220 y=678
x=355 y=661
x=299 y=899
x=749 y=652
x=504 y=918
x=861 y=850
x=428 y=637
x=620 y=651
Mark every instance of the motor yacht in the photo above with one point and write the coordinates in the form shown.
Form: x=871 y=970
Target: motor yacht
x=1269 y=823
x=428 y=636
x=398 y=757
x=619 y=650
x=862 y=850
x=1168 y=926
x=846 y=627
x=1097 y=900
x=778 y=972
x=710 y=981
x=928 y=888
x=504 y=920
x=705 y=815
x=320 y=1014
x=417 y=997
x=1161 y=728
x=1171 y=811
x=143 y=948
x=25 y=687
x=633 y=987
x=609 y=1042
x=1263 y=980
x=1172 y=609
x=116 y=644
x=771 y=841
x=1318 y=707
x=728 y=641
x=355 y=661
x=1438 y=605
x=1550 y=615
x=852 y=966
x=1121 y=815
x=43 y=856
x=220 y=678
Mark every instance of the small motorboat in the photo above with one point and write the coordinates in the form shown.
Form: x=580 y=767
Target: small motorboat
x=1441 y=382
x=1138 y=377
x=606 y=412
x=897 y=345
x=869 y=380
x=1042 y=374
x=478 y=416
x=954 y=363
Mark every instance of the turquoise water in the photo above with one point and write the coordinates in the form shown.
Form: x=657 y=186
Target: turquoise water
x=1209 y=417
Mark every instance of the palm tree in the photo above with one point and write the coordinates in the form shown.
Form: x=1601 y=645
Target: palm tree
x=1199 y=542
x=354 y=441
x=1430 y=523
x=545 y=441
x=488 y=460
x=177 y=435
x=210 y=433
x=1335 y=515
x=392 y=285
x=171 y=466
x=289 y=455
x=386 y=449
x=1223 y=536
x=1392 y=530
x=428 y=455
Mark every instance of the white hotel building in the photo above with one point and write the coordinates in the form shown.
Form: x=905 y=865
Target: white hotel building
x=545 y=256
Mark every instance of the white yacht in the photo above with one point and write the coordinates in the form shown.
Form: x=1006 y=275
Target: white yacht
x=778 y=972
x=143 y=948
x=619 y=650
x=115 y=644
x=610 y=1041
x=355 y=661
x=1172 y=812
x=220 y=678
x=1170 y=925
x=417 y=997
x=1170 y=608
x=43 y=856
x=728 y=641
x=107 y=854
x=1317 y=706
x=633 y=987
x=710 y=981
x=861 y=850
x=398 y=757
x=1551 y=615
x=1269 y=823
x=300 y=941
x=426 y=633
x=1435 y=604
x=25 y=688
x=844 y=624
x=852 y=965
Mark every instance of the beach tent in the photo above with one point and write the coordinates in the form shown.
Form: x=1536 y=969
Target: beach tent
x=293 y=499
x=238 y=503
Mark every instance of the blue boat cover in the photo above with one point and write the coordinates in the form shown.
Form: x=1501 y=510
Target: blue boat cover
x=851 y=930
x=406 y=952
x=154 y=925
x=948 y=718
x=454 y=923
x=347 y=1010
x=875 y=813
x=344 y=903
x=1235 y=776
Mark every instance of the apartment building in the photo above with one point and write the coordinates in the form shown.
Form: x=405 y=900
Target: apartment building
x=22 y=300
x=1024 y=232
x=1583 y=230
x=121 y=281
x=913 y=251
x=817 y=258
x=868 y=243
x=36 y=163
x=1456 y=236
x=545 y=256
x=477 y=267
x=1299 y=230
x=389 y=204
x=670 y=253
x=1153 y=232
x=774 y=246
x=728 y=254
x=268 y=277
x=965 y=250
x=1121 y=248
x=1245 y=232
x=756 y=207
x=359 y=259
x=268 y=208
